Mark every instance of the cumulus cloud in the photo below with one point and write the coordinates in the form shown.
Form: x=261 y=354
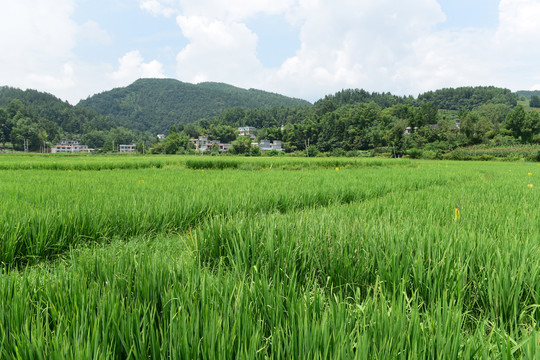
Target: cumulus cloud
x=381 y=45
x=218 y=51
x=92 y=32
x=132 y=67
x=37 y=42
x=158 y=7
x=518 y=20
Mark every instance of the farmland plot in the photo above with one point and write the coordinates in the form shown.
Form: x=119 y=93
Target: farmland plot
x=270 y=258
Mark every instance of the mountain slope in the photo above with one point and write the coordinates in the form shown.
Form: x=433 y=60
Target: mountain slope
x=528 y=93
x=71 y=119
x=156 y=104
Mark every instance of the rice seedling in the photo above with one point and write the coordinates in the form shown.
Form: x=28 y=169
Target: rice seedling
x=361 y=263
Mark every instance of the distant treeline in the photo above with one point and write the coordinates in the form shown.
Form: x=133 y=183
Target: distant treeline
x=353 y=120
x=347 y=121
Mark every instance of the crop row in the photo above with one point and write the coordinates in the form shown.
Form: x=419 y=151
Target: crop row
x=43 y=213
x=395 y=274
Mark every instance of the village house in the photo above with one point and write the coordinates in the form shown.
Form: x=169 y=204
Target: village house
x=267 y=145
x=409 y=130
x=247 y=131
x=202 y=144
x=70 y=147
x=127 y=148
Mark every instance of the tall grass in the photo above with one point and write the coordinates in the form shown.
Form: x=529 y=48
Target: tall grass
x=43 y=213
x=360 y=263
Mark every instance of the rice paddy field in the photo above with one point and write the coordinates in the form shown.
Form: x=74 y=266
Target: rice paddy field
x=221 y=257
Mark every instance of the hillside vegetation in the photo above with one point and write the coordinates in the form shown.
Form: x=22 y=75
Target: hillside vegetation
x=343 y=123
x=156 y=104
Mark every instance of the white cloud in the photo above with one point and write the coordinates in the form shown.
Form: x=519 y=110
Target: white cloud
x=356 y=44
x=157 y=7
x=518 y=20
x=92 y=32
x=234 y=10
x=218 y=51
x=36 y=44
x=381 y=45
x=63 y=79
x=133 y=67
x=384 y=45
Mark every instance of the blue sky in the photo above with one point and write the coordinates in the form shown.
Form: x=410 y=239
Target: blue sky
x=300 y=48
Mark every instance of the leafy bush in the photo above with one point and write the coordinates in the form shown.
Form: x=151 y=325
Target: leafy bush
x=415 y=153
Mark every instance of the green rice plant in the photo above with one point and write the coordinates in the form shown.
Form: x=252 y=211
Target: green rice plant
x=360 y=262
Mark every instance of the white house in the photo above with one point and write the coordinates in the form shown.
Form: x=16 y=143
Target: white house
x=267 y=145
x=127 y=148
x=409 y=130
x=69 y=147
x=247 y=131
x=202 y=144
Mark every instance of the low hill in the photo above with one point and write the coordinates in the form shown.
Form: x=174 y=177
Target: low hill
x=70 y=119
x=468 y=98
x=156 y=104
x=528 y=93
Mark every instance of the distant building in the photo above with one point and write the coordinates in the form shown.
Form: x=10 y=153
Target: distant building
x=70 y=146
x=202 y=144
x=161 y=136
x=127 y=148
x=267 y=145
x=247 y=131
x=409 y=130
x=224 y=147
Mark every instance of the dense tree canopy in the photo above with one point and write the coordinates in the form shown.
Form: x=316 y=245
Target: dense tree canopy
x=535 y=101
x=468 y=98
x=156 y=104
x=344 y=123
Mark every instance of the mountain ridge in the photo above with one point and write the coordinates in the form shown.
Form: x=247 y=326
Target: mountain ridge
x=156 y=104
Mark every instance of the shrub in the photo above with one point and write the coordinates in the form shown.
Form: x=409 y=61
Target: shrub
x=415 y=153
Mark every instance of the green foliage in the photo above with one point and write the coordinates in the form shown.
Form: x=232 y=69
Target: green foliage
x=523 y=125
x=535 y=101
x=35 y=104
x=348 y=121
x=415 y=153
x=527 y=94
x=343 y=258
x=468 y=97
x=255 y=151
x=242 y=145
x=483 y=152
x=156 y=104
x=352 y=96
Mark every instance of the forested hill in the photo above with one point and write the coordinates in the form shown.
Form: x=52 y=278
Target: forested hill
x=156 y=104
x=468 y=98
x=61 y=116
x=528 y=93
